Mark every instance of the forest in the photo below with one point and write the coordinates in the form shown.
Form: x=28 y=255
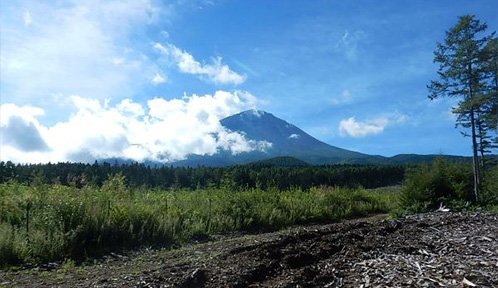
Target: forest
x=235 y=177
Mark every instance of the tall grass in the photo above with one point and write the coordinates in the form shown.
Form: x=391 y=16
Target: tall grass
x=41 y=223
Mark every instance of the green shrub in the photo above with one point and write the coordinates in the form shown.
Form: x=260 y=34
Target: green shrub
x=426 y=187
x=489 y=193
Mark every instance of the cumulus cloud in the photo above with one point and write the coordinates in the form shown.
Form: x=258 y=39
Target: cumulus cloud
x=216 y=72
x=161 y=130
x=353 y=128
x=19 y=128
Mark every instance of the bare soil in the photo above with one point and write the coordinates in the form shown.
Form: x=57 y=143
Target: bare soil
x=425 y=250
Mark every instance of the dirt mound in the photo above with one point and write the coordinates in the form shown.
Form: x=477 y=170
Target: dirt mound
x=427 y=250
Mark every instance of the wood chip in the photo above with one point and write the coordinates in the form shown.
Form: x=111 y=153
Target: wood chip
x=468 y=283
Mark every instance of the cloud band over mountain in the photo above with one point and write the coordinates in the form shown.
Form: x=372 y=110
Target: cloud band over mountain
x=162 y=130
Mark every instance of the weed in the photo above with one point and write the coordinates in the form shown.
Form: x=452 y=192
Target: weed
x=52 y=223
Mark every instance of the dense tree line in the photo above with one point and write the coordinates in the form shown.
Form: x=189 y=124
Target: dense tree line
x=235 y=177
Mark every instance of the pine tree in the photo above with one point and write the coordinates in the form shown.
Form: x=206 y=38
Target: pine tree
x=490 y=60
x=462 y=75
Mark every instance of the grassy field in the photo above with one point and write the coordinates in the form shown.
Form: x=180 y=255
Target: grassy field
x=41 y=223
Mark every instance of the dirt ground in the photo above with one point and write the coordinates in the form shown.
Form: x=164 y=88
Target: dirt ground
x=425 y=250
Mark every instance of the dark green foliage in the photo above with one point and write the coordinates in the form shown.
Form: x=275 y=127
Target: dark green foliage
x=284 y=161
x=489 y=195
x=490 y=59
x=426 y=187
x=237 y=177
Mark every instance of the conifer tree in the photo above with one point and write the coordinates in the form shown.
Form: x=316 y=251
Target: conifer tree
x=490 y=60
x=462 y=75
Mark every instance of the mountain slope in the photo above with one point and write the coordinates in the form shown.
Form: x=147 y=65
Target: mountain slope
x=289 y=140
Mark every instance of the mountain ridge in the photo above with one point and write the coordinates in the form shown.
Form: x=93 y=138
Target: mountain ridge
x=286 y=138
x=290 y=141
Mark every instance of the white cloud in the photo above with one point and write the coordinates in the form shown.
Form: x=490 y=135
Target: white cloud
x=26 y=17
x=118 y=61
x=294 y=136
x=163 y=130
x=216 y=72
x=75 y=47
x=348 y=44
x=258 y=113
x=165 y=34
x=353 y=128
x=158 y=79
x=401 y=118
x=131 y=108
x=19 y=128
x=344 y=98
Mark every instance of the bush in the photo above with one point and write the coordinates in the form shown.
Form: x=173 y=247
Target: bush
x=489 y=194
x=426 y=187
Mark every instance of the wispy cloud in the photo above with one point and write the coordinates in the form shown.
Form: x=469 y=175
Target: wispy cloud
x=344 y=98
x=163 y=130
x=158 y=79
x=348 y=43
x=27 y=18
x=78 y=47
x=216 y=72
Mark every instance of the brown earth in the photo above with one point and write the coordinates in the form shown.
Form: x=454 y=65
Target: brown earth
x=425 y=250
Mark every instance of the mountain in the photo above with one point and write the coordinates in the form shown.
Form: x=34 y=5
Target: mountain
x=289 y=140
x=292 y=146
x=286 y=140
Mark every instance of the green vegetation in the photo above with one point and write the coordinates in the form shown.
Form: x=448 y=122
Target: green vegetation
x=246 y=176
x=450 y=184
x=41 y=222
x=284 y=161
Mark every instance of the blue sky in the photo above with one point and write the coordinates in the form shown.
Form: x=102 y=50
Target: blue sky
x=150 y=79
